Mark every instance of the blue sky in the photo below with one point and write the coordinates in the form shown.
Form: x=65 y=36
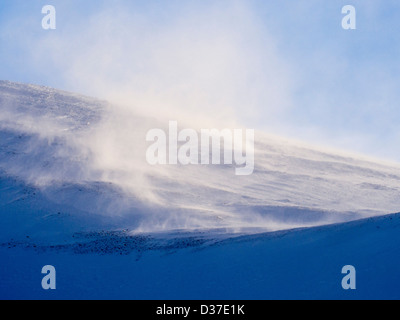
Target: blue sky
x=286 y=67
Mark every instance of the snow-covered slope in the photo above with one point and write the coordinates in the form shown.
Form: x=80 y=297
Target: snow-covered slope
x=76 y=192
x=64 y=155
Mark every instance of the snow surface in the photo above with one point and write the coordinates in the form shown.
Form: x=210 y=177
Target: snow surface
x=297 y=264
x=76 y=193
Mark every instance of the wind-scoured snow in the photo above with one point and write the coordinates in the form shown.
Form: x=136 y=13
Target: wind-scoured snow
x=65 y=153
x=76 y=192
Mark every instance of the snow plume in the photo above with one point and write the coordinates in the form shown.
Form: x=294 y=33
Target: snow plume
x=208 y=65
x=205 y=65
